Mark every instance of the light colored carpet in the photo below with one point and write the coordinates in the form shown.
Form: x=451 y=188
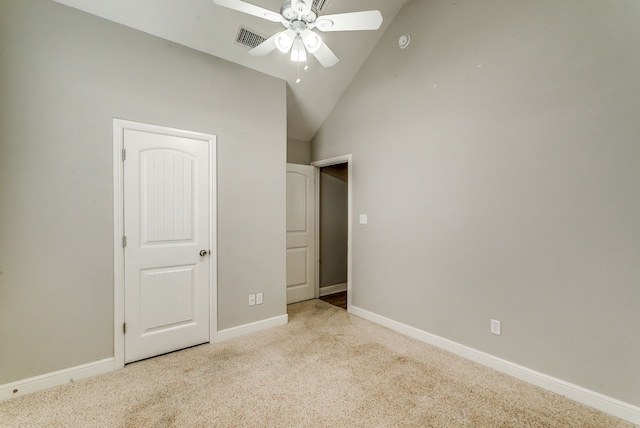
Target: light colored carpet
x=326 y=368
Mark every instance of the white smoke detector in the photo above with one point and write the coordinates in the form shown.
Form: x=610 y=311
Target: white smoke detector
x=404 y=41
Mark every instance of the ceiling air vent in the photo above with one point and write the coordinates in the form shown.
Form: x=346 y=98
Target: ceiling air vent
x=248 y=38
x=320 y=5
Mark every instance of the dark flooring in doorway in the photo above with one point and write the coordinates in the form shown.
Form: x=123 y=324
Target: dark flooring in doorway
x=337 y=299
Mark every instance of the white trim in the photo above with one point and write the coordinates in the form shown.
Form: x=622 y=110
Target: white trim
x=316 y=238
x=333 y=289
x=254 y=327
x=119 y=125
x=348 y=159
x=577 y=393
x=118 y=253
x=60 y=377
x=213 y=238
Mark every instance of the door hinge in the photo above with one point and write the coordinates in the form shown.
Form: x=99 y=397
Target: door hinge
x=124 y=328
x=124 y=155
x=124 y=241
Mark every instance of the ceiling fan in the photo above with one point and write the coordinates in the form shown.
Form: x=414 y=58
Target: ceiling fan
x=299 y=18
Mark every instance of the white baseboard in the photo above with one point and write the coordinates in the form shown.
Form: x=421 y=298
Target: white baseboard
x=577 y=393
x=241 y=330
x=333 y=289
x=61 y=377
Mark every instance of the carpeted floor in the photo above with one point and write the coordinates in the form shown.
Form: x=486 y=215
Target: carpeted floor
x=326 y=368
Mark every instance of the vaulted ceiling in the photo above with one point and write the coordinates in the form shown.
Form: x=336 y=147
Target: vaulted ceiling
x=207 y=27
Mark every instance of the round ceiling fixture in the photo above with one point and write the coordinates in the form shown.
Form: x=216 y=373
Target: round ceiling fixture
x=404 y=41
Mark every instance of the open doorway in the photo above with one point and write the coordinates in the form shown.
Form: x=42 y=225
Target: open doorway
x=333 y=234
x=334 y=230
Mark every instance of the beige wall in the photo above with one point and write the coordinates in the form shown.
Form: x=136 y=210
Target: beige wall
x=497 y=158
x=64 y=75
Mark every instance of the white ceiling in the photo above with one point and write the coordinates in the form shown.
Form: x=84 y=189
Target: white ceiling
x=207 y=27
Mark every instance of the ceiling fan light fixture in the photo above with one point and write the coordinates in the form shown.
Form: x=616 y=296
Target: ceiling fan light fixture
x=312 y=42
x=283 y=42
x=298 y=55
x=298 y=52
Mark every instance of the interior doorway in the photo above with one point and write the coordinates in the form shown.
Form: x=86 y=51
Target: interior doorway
x=333 y=231
x=333 y=234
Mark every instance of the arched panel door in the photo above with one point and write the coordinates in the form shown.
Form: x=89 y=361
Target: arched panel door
x=300 y=233
x=166 y=224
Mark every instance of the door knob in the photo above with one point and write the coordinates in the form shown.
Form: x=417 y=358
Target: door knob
x=203 y=253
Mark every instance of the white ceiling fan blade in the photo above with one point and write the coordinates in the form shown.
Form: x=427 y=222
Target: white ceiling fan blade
x=265 y=47
x=245 y=7
x=325 y=56
x=354 y=21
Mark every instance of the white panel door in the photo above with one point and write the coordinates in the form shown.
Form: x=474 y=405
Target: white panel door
x=300 y=233
x=166 y=224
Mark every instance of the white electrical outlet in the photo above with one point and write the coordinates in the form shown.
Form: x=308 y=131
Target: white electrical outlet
x=259 y=299
x=252 y=299
x=496 y=328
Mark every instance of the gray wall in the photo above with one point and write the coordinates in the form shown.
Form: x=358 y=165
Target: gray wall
x=498 y=160
x=298 y=151
x=333 y=225
x=64 y=75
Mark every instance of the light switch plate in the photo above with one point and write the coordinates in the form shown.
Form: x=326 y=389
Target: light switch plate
x=496 y=327
x=363 y=219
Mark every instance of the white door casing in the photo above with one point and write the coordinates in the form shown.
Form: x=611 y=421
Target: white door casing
x=167 y=295
x=301 y=259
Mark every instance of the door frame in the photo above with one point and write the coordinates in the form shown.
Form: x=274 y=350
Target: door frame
x=119 y=126
x=348 y=159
